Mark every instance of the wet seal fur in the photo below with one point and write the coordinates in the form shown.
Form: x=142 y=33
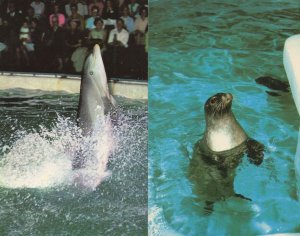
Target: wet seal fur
x=217 y=155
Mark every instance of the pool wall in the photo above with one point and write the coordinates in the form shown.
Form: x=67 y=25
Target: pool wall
x=133 y=89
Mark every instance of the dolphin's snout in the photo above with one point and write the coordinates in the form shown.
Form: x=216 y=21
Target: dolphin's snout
x=96 y=50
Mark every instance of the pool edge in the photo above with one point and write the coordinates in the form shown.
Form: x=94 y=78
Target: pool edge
x=133 y=89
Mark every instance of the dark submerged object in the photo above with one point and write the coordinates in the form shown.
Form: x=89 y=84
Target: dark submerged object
x=213 y=172
x=274 y=84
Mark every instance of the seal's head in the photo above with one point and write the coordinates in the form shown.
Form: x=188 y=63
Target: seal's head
x=218 y=104
x=223 y=132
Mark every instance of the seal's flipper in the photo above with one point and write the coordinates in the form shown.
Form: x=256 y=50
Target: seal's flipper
x=242 y=197
x=255 y=151
x=208 y=208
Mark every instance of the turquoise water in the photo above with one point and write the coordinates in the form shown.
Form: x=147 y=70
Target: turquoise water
x=30 y=122
x=199 y=48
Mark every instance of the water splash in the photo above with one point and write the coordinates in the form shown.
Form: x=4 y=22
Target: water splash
x=43 y=158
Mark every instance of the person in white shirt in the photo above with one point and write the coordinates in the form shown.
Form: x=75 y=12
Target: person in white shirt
x=116 y=54
x=39 y=8
x=119 y=36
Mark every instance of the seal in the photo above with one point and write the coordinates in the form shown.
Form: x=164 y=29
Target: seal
x=217 y=155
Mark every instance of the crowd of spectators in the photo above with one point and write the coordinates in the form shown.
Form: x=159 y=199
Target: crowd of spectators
x=56 y=35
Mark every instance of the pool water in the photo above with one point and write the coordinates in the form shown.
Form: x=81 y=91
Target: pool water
x=40 y=201
x=197 y=49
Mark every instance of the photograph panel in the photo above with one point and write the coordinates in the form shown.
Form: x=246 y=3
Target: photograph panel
x=223 y=125
x=73 y=117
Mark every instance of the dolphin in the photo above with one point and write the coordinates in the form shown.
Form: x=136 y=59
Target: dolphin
x=95 y=100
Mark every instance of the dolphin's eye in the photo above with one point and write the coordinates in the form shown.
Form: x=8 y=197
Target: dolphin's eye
x=91 y=72
x=213 y=100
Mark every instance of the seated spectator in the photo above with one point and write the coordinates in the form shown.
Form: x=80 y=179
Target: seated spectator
x=49 y=5
x=56 y=13
x=109 y=11
x=81 y=8
x=133 y=8
x=109 y=15
x=99 y=4
x=128 y=20
x=3 y=40
x=24 y=35
x=73 y=40
x=141 y=24
x=117 y=48
x=90 y=21
x=98 y=34
x=13 y=20
x=53 y=46
x=29 y=14
x=76 y=16
x=120 y=4
x=119 y=36
x=39 y=8
x=3 y=35
x=13 y=17
x=25 y=44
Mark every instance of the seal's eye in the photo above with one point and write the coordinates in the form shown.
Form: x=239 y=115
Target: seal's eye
x=91 y=72
x=213 y=100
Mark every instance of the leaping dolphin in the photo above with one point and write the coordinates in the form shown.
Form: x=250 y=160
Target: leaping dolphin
x=95 y=100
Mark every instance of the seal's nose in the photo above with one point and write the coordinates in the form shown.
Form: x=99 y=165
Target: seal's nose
x=227 y=97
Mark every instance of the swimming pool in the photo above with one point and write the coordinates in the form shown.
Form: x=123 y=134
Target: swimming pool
x=199 y=48
x=34 y=125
